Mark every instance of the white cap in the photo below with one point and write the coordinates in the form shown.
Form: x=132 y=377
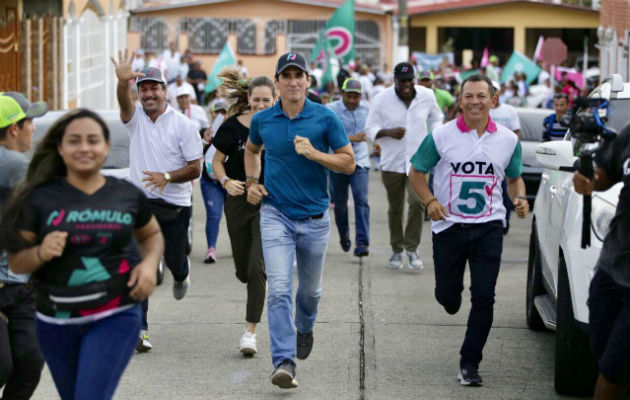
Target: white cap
x=181 y=90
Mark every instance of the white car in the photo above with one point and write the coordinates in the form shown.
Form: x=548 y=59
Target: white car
x=559 y=270
x=117 y=162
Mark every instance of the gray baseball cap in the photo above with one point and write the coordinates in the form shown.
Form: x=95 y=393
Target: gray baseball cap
x=151 y=74
x=32 y=110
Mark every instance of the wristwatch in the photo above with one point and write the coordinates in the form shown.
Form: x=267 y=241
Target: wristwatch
x=167 y=176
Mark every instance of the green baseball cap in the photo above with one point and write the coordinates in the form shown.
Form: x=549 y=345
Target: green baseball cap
x=352 y=85
x=425 y=75
x=10 y=111
x=32 y=110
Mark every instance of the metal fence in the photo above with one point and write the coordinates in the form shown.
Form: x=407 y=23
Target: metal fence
x=208 y=35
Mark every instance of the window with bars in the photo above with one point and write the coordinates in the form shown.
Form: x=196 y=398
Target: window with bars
x=208 y=35
x=153 y=33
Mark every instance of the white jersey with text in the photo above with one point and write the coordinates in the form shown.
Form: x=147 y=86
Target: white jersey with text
x=469 y=170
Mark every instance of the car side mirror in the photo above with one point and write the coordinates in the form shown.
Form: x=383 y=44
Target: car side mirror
x=556 y=155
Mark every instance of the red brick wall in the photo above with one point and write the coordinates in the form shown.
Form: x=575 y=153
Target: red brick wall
x=615 y=13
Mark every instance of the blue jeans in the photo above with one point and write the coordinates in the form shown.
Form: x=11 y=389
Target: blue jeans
x=481 y=246
x=86 y=361
x=283 y=240
x=213 y=199
x=358 y=182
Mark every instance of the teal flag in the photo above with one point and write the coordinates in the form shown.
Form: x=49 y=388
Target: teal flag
x=338 y=34
x=520 y=63
x=323 y=60
x=465 y=74
x=226 y=59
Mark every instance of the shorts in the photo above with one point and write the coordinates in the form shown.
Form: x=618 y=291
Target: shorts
x=609 y=327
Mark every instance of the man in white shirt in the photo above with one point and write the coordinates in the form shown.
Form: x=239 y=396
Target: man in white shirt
x=172 y=59
x=470 y=158
x=165 y=155
x=366 y=83
x=180 y=82
x=192 y=111
x=505 y=114
x=398 y=121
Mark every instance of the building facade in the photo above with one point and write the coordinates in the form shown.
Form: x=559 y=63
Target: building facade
x=614 y=38
x=257 y=30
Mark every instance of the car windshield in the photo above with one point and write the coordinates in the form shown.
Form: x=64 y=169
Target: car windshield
x=619 y=115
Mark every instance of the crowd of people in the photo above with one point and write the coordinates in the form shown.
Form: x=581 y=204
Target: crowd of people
x=272 y=154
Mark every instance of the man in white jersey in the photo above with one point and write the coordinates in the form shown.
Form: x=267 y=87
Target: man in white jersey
x=471 y=156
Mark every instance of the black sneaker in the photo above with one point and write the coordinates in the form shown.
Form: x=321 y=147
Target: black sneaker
x=304 y=345
x=345 y=243
x=469 y=376
x=284 y=375
x=361 y=251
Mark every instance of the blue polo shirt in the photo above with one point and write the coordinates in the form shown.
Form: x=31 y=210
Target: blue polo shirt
x=296 y=185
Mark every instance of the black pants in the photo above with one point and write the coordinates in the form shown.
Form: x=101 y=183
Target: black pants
x=175 y=232
x=481 y=246
x=609 y=327
x=21 y=361
x=243 y=223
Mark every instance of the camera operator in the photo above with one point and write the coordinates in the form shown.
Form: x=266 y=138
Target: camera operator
x=609 y=294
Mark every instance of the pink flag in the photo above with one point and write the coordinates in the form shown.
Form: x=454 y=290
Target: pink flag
x=539 y=46
x=484 y=58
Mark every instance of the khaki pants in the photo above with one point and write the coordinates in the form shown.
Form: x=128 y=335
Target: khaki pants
x=396 y=184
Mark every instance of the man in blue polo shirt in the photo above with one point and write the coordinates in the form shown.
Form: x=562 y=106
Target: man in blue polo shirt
x=294 y=221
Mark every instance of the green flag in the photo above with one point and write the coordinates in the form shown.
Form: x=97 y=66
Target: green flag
x=338 y=34
x=226 y=59
x=520 y=63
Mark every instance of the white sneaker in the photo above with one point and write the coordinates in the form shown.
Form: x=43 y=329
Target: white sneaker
x=414 y=260
x=143 y=345
x=395 y=261
x=248 y=344
x=181 y=288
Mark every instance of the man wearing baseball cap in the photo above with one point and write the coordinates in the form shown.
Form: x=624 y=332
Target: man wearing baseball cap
x=20 y=356
x=294 y=221
x=353 y=113
x=398 y=120
x=165 y=154
x=444 y=99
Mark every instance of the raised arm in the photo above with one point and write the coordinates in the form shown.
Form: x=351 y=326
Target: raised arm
x=125 y=73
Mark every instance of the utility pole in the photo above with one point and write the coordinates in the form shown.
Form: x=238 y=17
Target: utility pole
x=402 y=48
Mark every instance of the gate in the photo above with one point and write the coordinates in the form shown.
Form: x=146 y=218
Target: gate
x=9 y=50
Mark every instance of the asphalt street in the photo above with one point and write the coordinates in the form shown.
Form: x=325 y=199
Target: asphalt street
x=380 y=334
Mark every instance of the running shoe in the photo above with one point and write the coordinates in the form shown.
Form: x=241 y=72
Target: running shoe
x=361 y=251
x=181 y=288
x=469 y=376
x=143 y=345
x=395 y=261
x=248 y=344
x=304 y=345
x=211 y=256
x=414 y=260
x=345 y=243
x=284 y=375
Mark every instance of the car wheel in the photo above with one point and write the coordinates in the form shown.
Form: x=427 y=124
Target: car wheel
x=575 y=371
x=534 y=282
x=160 y=272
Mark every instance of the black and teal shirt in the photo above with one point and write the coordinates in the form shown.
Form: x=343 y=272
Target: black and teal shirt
x=100 y=227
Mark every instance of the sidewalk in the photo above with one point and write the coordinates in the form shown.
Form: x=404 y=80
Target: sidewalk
x=397 y=344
